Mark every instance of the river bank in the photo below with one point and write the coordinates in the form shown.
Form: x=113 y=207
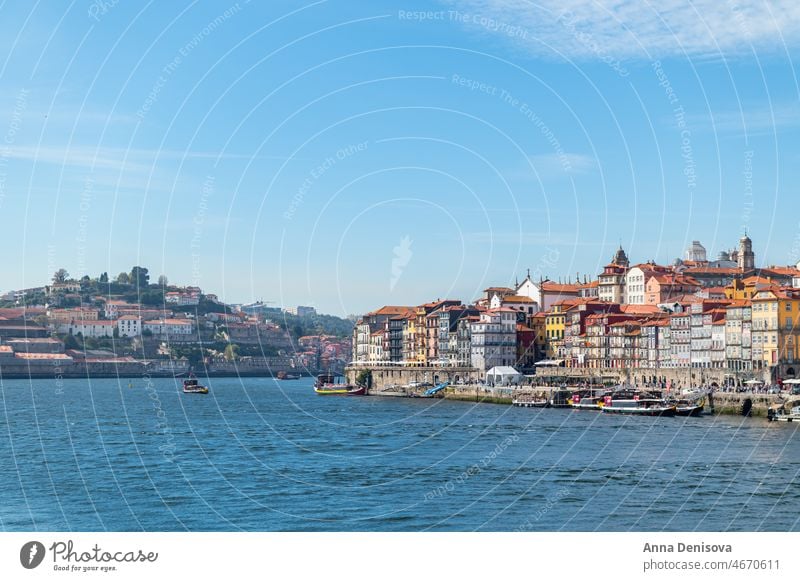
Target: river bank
x=719 y=403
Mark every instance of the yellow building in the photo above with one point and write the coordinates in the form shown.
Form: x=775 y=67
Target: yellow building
x=410 y=340
x=555 y=327
x=745 y=289
x=776 y=329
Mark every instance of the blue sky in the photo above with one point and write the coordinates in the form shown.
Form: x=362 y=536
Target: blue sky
x=352 y=154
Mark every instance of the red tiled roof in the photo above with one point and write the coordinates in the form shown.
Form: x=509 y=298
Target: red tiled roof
x=557 y=287
x=781 y=271
x=391 y=310
x=39 y=356
x=517 y=299
x=639 y=309
x=710 y=270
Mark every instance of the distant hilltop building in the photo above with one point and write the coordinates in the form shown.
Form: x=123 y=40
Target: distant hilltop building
x=746 y=258
x=301 y=311
x=696 y=252
x=742 y=258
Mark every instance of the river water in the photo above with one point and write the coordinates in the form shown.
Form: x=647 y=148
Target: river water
x=258 y=454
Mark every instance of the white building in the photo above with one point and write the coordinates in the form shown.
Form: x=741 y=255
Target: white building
x=544 y=294
x=182 y=299
x=112 y=308
x=523 y=304
x=611 y=282
x=129 y=326
x=166 y=327
x=696 y=252
x=636 y=279
x=94 y=329
x=718 y=343
x=362 y=335
x=493 y=339
x=376 y=347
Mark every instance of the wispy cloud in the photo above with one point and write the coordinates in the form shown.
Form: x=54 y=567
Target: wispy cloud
x=639 y=28
x=748 y=119
x=553 y=166
x=562 y=162
x=115 y=158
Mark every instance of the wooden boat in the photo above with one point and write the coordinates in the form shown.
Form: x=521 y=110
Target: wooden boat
x=689 y=407
x=638 y=407
x=191 y=386
x=326 y=385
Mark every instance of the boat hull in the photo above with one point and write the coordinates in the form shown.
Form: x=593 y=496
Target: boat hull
x=668 y=411
x=531 y=404
x=202 y=390
x=587 y=406
x=686 y=411
x=323 y=391
x=784 y=418
x=349 y=390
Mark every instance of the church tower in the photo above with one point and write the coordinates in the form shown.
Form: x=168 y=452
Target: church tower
x=746 y=257
x=620 y=258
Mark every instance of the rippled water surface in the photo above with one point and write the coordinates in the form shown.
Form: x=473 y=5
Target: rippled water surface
x=264 y=455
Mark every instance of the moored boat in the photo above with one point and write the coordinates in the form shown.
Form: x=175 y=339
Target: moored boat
x=527 y=400
x=191 y=386
x=778 y=413
x=689 y=407
x=326 y=385
x=587 y=400
x=638 y=406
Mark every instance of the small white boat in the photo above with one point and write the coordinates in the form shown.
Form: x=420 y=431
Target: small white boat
x=531 y=402
x=778 y=413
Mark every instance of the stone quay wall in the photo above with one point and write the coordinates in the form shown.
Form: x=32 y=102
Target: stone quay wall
x=683 y=376
x=388 y=376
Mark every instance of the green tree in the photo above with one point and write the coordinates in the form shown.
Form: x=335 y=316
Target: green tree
x=61 y=275
x=364 y=377
x=123 y=278
x=231 y=352
x=104 y=277
x=163 y=281
x=140 y=277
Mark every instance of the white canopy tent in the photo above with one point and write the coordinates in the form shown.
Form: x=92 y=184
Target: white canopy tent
x=549 y=363
x=503 y=375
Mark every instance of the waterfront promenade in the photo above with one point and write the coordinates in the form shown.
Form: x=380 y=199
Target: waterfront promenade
x=395 y=382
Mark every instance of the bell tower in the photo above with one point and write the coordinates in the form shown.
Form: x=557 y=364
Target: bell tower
x=747 y=259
